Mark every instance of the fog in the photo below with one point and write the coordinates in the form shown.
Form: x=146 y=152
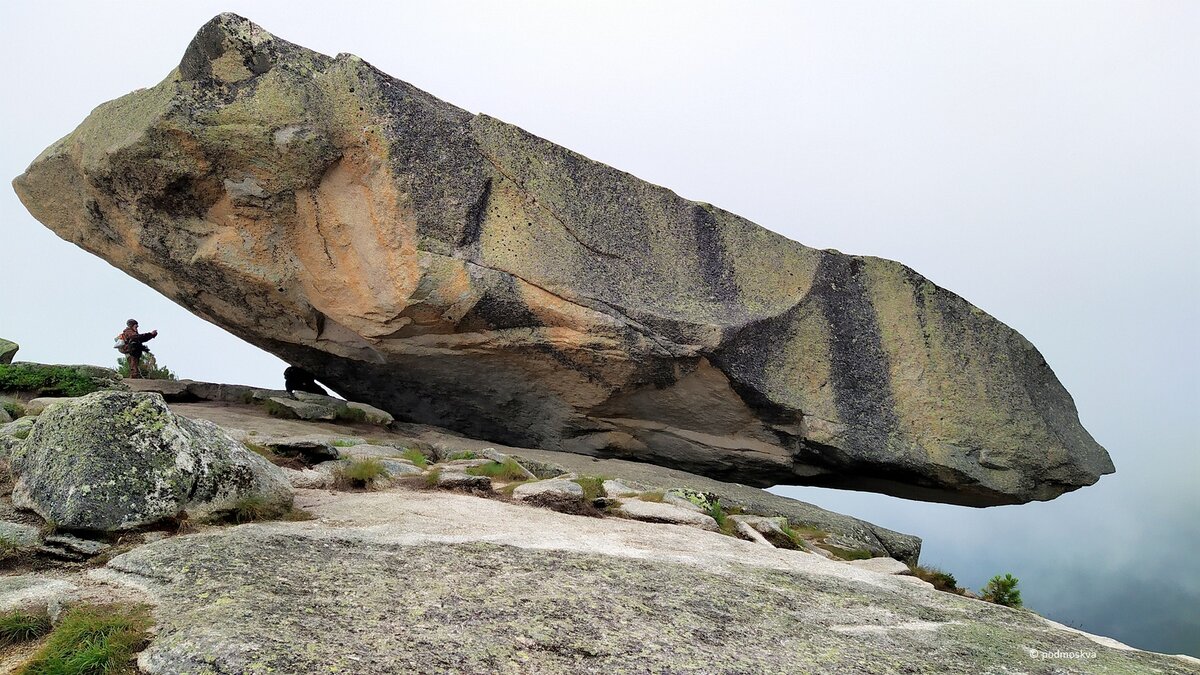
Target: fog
x=1041 y=159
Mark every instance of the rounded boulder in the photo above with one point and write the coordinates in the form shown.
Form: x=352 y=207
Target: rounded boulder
x=117 y=460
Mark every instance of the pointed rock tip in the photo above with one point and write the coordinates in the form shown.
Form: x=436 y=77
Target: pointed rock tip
x=229 y=48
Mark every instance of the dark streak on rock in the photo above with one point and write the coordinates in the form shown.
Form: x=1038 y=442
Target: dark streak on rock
x=858 y=364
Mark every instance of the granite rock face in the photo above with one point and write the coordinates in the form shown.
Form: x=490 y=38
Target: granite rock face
x=8 y=349
x=456 y=270
x=118 y=460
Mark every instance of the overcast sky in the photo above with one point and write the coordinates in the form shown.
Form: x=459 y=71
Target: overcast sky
x=1042 y=159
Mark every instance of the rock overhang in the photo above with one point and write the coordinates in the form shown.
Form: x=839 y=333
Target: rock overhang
x=456 y=270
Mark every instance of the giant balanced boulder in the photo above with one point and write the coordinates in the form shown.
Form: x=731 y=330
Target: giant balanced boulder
x=116 y=460
x=456 y=270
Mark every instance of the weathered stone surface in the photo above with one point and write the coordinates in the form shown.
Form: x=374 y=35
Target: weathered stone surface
x=881 y=565
x=546 y=491
x=456 y=270
x=18 y=535
x=8 y=349
x=657 y=512
x=305 y=410
x=375 y=586
x=373 y=415
x=117 y=460
x=617 y=488
x=770 y=530
x=38 y=405
x=36 y=595
x=452 y=479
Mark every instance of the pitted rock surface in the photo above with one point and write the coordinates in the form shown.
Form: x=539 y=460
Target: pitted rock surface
x=117 y=460
x=455 y=270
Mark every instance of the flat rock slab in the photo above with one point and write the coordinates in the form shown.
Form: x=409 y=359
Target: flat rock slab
x=657 y=512
x=19 y=535
x=416 y=582
x=549 y=490
x=881 y=566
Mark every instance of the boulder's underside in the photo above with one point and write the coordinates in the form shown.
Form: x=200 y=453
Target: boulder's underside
x=456 y=270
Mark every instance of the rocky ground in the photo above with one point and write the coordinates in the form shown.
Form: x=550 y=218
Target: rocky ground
x=436 y=569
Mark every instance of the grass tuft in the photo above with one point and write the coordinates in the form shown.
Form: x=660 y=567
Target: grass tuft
x=465 y=454
x=717 y=512
x=346 y=442
x=13 y=408
x=941 y=580
x=93 y=640
x=252 y=509
x=18 y=626
x=508 y=470
x=359 y=474
x=847 y=553
x=593 y=487
x=416 y=457
x=652 y=496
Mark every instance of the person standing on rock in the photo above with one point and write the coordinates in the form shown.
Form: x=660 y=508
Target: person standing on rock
x=132 y=344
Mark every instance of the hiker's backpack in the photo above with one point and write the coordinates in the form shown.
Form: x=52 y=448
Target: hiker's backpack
x=121 y=345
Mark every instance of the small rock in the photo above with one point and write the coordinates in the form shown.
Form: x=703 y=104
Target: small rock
x=84 y=547
x=38 y=406
x=914 y=581
x=618 y=488
x=311 y=449
x=656 y=512
x=374 y=415
x=881 y=565
x=5 y=418
x=458 y=480
x=751 y=534
x=552 y=490
x=304 y=410
x=19 y=535
x=399 y=467
x=680 y=502
x=540 y=470
x=770 y=529
x=8 y=349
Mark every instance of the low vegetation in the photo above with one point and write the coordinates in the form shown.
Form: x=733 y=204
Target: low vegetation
x=941 y=580
x=508 y=470
x=20 y=626
x=93 y=640
x=593 y=487
x=717 y=512
x=415 y=456
x=656 y=496
x=13 y=408
x=148 y=369
x=1002 y=590
x=465 y=454
x=360 y=474
x=44 y=380
x=253 y=509
x=847 y=553
x=346 y=442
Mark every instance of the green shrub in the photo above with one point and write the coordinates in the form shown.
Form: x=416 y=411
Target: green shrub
x=345 y=442
x=44 y=380
x=416 y=457
x=465 y=454
x=507 y=470
x=18 y=626
x=93 y=640
x=593 y=487
x=149 y=369
x=1002 y=590
x=942 y=581
x=359 y=473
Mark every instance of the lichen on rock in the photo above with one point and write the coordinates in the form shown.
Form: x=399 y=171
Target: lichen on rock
x=118 y=460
